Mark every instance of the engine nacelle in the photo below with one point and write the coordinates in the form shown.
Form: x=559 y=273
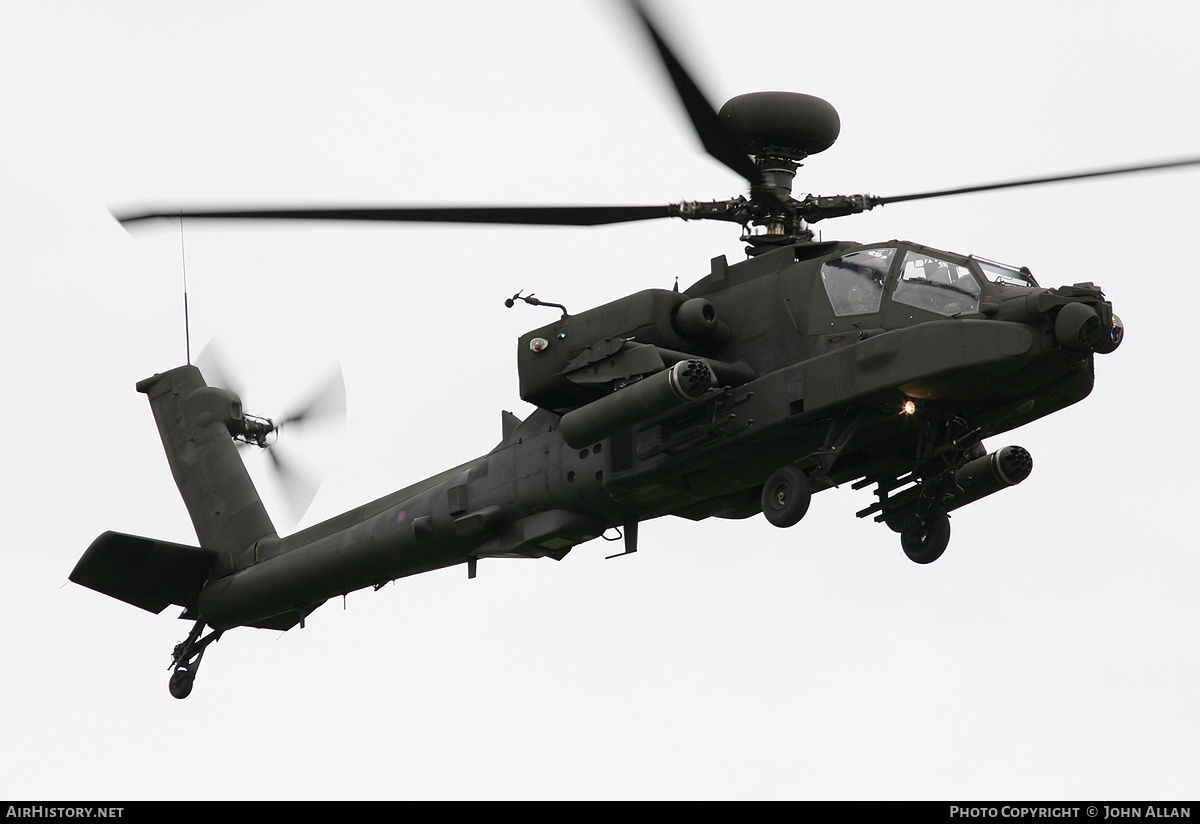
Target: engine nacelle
x=696 y=319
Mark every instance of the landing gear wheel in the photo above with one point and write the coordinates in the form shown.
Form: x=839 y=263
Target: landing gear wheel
x=786 y=496
x=185 y=660
x=925 y=541
x=181 y=683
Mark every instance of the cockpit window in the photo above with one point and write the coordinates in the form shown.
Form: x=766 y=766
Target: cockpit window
x=1008 y=275
x=927 y=282
x=854 y=282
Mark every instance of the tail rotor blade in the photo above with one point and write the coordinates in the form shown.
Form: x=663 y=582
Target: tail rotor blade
x=299 y=488
x=214 y=366
x=327 y=403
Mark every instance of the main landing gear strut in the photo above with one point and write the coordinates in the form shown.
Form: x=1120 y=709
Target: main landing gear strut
x=915 y=503
x=949 y=469
x=924 y=529
x=185 y=661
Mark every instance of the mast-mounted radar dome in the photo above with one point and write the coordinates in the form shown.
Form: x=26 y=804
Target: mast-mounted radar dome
x=785 y=124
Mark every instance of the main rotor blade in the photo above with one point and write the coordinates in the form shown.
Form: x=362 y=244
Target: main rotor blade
x=718 y=140
x=1033 y=181
x=512 y=215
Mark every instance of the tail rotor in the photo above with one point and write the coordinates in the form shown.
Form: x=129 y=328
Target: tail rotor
x=325 y=405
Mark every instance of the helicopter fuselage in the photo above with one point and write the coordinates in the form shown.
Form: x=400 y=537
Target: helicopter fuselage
x=804 y=367
x=795 y=379
x=807 y=366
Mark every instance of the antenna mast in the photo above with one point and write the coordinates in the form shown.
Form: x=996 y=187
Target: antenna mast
x=187 y=332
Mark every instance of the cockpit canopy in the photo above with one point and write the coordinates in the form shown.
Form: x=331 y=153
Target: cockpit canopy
x=929 y=282
x=855 y=282
x=1002 y=273
x=921 y=278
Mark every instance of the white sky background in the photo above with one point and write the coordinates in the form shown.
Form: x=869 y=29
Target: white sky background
x=1051 y=653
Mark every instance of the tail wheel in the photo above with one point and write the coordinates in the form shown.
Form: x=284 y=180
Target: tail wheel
x=786 y=496
x=181 y=682
x=185 y=660
x=925 y=541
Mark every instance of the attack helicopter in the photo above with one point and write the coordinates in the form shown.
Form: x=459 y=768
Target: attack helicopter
x=810 y=364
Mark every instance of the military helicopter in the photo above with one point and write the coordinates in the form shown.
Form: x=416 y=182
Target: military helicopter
x=809 y=365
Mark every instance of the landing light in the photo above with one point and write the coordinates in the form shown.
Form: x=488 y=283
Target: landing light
x=909 y=408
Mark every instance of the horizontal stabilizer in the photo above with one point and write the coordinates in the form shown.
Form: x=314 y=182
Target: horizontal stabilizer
x=144 y=572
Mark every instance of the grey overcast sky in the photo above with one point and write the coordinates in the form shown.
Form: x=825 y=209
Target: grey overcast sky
x=1051 y=653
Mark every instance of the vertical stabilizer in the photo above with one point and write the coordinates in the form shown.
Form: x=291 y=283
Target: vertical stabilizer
x=196 y=422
